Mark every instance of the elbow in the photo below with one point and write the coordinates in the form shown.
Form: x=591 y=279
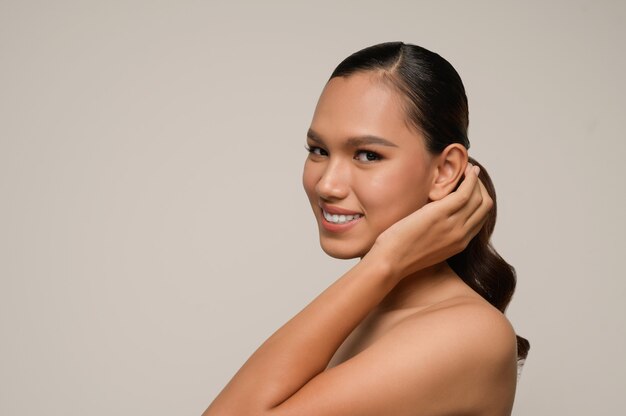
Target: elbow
x=239 y=409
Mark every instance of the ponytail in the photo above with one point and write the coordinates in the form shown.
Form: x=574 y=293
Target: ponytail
x=482 y=268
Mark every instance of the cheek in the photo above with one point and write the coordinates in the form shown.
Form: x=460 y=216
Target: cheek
x=395 y=194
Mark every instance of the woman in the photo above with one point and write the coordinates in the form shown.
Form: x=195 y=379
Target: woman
x=417 y=326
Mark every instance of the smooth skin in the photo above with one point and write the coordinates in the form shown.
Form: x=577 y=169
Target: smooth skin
x=399 y=333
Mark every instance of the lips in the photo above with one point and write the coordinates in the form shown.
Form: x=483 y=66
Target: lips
x=338 y=219
x=337 y=210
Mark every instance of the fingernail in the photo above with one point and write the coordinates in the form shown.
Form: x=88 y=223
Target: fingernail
x=477 y=170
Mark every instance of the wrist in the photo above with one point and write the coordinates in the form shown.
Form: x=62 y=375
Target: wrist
x=395 y=264
x=381 y=266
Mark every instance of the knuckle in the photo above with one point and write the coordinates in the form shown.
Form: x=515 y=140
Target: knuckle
x=459 y=235
x=465 y=242
x=489 y=201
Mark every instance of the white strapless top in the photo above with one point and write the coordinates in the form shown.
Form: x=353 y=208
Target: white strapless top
x=520 y=365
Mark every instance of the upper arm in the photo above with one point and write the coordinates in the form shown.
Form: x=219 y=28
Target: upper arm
x=428 y=365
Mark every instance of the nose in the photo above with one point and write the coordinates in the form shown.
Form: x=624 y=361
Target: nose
x=334 y=184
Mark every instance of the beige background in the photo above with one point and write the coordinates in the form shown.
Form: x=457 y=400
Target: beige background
x=153 y=228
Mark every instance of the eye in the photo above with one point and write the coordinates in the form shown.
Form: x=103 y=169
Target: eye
x=315 y=150
x=367 y=156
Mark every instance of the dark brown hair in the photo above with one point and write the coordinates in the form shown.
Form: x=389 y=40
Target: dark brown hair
x=436 y=105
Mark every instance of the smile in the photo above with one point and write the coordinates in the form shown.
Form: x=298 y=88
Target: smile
x=340 y=218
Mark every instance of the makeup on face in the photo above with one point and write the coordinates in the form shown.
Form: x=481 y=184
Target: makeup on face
x=366 y=169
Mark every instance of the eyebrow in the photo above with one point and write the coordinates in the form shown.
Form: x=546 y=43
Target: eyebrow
x=355 y=141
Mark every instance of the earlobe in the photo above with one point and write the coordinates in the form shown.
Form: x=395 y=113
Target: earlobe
x=448 y=170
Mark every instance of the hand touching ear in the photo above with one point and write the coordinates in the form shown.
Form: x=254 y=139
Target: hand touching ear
x=451 y=164
x=436 y=231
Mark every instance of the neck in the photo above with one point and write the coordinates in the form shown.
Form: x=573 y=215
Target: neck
x=424 y=288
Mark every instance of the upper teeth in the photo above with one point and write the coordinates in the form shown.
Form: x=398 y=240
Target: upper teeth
x=340 y=219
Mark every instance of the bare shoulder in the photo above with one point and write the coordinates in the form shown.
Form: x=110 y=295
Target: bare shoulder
x=464 y=322
x=456 y=357
x=470 y=346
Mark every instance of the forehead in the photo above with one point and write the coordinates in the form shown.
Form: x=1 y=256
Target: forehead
x=362 y=104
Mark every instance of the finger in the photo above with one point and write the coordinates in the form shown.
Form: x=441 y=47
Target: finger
x=456 y=200
x=473 y=201
x=477 y=199
x=478 y=219
x=477 y=224
x=479 y=216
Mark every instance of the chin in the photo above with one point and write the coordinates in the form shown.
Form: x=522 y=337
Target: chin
x=344 y=250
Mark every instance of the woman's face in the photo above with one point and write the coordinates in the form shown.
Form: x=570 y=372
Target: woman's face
x=366 y=168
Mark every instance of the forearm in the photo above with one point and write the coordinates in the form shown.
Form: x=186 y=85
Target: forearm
x=303 y=347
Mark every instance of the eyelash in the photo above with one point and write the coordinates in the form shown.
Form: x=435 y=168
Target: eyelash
x=313 y=149
x=376 y=155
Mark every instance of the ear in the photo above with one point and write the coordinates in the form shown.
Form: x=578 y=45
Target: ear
x=448 y=170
